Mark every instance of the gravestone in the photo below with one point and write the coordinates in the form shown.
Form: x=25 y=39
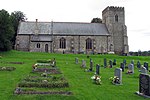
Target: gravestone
x=122 y=66
x=110 y=63
x=146 y=65
x=130 y=69
x=124 y=61
x=91 y=66
x=138 y=64
x=144 y=85
x=105 y=62
x=83 y=64
x=76 y=60
x=90 y=59
x=114 y=62
x=143 y=70
x=118 y=73
x=97 y=69
x=132 y=62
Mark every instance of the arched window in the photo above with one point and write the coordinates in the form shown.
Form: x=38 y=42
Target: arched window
x=62 y=44
x=38 y=45
x=88 y=43
x=116 y=18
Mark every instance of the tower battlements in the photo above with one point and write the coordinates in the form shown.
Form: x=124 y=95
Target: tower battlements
x=113 y=8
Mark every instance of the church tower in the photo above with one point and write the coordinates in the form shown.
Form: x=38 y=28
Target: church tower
x=114 y=18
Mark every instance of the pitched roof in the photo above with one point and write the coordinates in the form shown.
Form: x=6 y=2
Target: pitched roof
x=63 y=28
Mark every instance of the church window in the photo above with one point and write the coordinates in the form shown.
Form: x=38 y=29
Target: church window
x=62 y=43
x=116 y=18
x=38 y=45
x=88 y=43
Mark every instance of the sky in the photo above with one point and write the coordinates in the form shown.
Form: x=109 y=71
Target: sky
x=137 y=14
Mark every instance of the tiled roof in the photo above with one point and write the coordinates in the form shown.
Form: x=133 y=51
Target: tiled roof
x=63 y=28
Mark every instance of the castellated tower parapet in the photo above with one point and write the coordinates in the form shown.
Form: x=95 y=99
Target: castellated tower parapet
x=113 y=8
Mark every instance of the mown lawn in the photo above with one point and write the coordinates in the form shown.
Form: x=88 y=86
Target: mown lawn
x=80 y=82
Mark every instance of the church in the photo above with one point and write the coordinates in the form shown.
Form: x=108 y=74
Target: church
x=110 y=36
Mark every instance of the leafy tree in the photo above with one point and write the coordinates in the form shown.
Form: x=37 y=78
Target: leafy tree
x=96 y=20
x=16 y=17
x=6 y=31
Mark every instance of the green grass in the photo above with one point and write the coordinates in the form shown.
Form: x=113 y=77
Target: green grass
x=80 y=82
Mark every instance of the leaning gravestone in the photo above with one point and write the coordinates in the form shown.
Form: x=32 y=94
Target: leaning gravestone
x=143 y=70
x=76 y=60
x=110 y=63
x=118 y=73
x=97 y=69
x=130 y=69
x=105 y=62
x=138 y=64
x=146 y=65
x=144 y=85
x=122 y=66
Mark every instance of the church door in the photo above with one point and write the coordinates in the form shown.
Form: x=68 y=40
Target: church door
x=46 y=47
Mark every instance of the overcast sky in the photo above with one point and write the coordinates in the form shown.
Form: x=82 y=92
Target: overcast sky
x=137 y=14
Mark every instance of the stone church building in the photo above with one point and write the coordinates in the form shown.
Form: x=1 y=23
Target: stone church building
x=76 y=37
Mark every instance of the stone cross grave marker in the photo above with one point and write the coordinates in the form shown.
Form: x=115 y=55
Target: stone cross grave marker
x=138 y=64
x=76 y=60
x=146 y=65
x=130 y=69
x=122 y=66
x=118 y=73
x=144 y=85
x=110 y=63
x=105 y=62
x=97 y=69
x=143 y=70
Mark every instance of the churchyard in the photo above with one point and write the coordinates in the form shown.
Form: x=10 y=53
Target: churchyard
x=44 y=76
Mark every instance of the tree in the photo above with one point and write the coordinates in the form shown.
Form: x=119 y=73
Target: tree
x=96 y=20
x=6 y=31
x=16 y=17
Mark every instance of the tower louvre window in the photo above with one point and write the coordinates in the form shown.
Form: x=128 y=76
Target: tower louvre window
x=116 y=18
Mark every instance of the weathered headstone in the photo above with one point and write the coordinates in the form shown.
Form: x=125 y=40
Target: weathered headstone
x=114 y=62
x=91 y=66
x=143 y=70
x=110 y=63
x=105 y=62
x=76 y=60
x=83 y=64
x=118 y=73
x=97 y=69
x=138 y=64
x=146 y=65
x=130 y=69
x=122 y=66
x=144 y=85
